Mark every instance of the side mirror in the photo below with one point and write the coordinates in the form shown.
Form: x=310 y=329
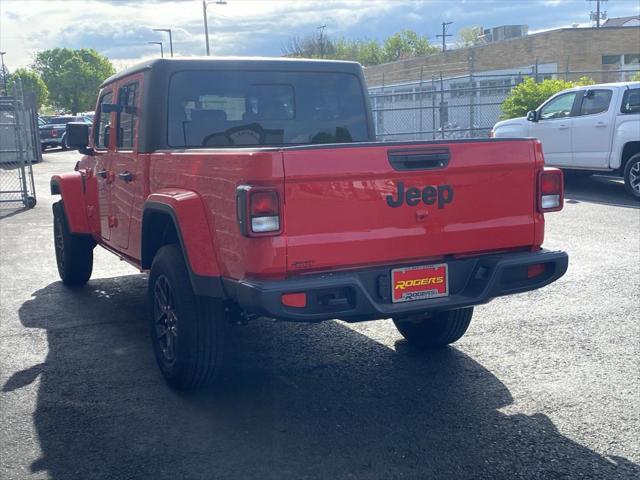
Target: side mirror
x=77 y=134
x=78 y=137
x=532 y=116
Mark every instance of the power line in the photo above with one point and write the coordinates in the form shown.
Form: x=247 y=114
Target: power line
x=444 y=35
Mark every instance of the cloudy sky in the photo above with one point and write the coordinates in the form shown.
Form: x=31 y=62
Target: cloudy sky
x=120 y=28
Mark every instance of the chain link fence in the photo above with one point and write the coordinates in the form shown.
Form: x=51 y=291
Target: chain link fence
x=465 y=105
x=19 y=148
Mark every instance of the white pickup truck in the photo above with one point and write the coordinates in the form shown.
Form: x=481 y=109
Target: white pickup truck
x=587 y=129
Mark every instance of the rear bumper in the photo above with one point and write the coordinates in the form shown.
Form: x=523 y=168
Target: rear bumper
x=365 y=294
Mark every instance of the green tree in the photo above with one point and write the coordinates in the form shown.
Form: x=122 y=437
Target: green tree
x=403 y=44
x=584 y=81
x=73 y=76
x=366 y=52
x=31 y=82
x=406 y=44
x=635 y=77
x=318 y=46
x=529 y=95
x=468 y=36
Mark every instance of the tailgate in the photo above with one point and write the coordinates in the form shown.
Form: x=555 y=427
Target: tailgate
x=368 y=204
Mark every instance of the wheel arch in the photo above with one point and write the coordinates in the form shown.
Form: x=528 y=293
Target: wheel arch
x=72 y=187
x=181 y=219
x=629 y=150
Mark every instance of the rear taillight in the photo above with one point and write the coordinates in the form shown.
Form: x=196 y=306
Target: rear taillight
x=258 y=211
x=550 y=190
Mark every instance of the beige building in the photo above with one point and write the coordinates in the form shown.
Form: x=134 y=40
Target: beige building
x=602 y=53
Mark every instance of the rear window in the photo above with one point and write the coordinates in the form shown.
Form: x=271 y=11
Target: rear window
x=236 y=109
x=631 y=101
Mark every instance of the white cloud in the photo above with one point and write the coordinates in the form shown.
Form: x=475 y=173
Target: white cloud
x=121 y=29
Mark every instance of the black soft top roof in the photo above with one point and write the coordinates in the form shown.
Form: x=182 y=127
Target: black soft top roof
x=169 y=65
x=152 y=131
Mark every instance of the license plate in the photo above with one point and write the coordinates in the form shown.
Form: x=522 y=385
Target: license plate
x=419 y=283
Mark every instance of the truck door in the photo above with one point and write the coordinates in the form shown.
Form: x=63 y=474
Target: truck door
x=103 y=145
x=592 y=129
x=126 y=189
x=553 y=129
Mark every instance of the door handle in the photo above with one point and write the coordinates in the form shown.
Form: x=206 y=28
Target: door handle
x=601 y=124
x=126 y=176
x=562 y=127
x=102 y=173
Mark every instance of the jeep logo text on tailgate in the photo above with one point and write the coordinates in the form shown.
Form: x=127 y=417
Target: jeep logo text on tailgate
x=429 y=195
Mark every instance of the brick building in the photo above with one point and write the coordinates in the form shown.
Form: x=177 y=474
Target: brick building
x=597 y=50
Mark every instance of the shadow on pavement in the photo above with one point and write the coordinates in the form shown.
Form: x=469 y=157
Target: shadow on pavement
x=299 y=401
x=7 y=212
x=598 y=189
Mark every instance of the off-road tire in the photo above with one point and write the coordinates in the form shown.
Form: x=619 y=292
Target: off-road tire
x=195 y=325
x=632 y=176
x=435 y=330
x=74 y=253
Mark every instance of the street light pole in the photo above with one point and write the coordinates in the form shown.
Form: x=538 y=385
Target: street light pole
x=168 y=30
x=161 y=48
x=206 y=26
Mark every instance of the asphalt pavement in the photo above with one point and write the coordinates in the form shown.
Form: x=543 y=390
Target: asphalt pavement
x=543 y=385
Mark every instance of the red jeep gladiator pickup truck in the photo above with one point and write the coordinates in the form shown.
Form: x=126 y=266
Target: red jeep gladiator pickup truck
x=255 y=187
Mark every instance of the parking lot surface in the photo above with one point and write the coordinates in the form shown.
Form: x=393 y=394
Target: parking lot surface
x=543 y=385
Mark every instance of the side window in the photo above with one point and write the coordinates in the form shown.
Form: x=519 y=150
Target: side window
x=103 y=127
x=631 y=101
x=559 y=107
x=127 y=119
x=595 y=101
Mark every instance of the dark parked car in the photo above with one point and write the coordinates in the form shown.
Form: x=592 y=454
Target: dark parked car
x=53 y=131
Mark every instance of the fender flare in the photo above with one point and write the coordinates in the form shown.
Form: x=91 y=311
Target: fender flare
x=188 y=214
x=72 y=187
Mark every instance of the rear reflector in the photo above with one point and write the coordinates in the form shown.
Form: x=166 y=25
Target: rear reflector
x=550 y=190
x=297 y=300
x=535 y=270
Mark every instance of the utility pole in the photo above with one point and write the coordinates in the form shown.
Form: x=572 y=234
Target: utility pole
x=168 y=30
x=206 y=26
x=445 y=27
x=598 y=14
x=321 y=28
x=4 y=74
